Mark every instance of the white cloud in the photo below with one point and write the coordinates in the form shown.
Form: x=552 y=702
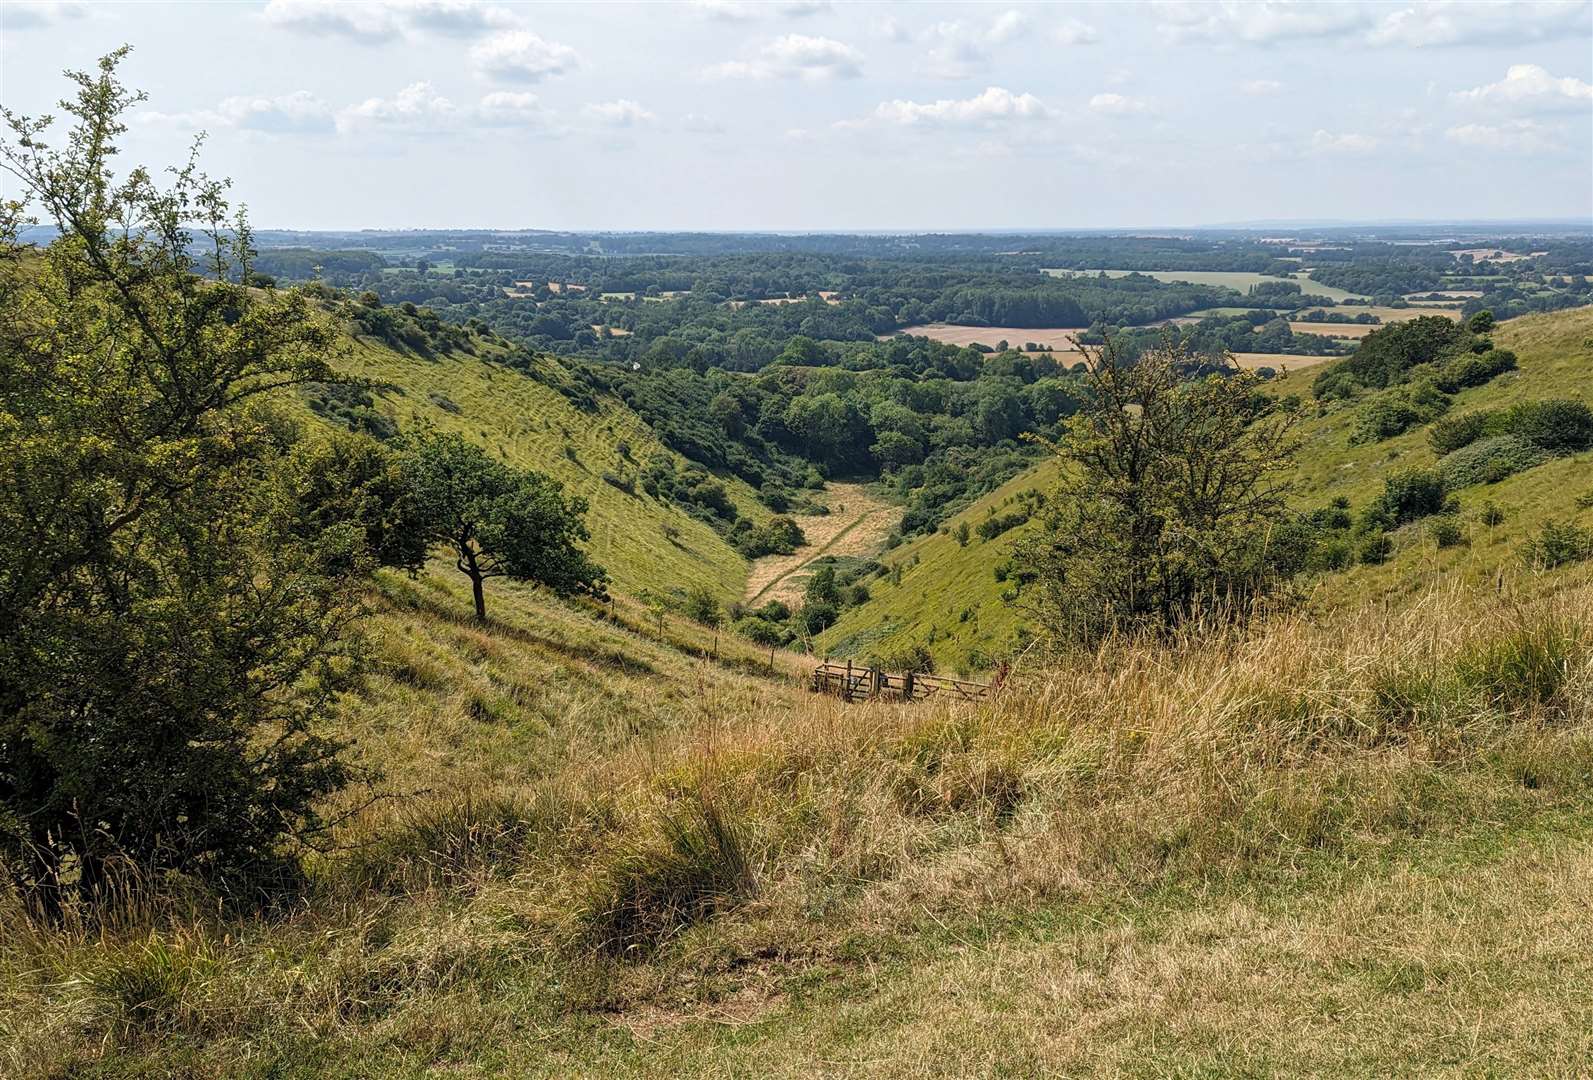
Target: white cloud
x=619 y=113
x=521 y=56
x=417 y=107
x=1459 y=22
x=1074 y=32
x=699 y=124
x=1530 y=88
x=1518 y=136
x=995 y=105
x=298 y=113
x=891 y=30
x=367 y=23
x=958 y=49
x=1265 y=22
x=1424 y=24
x=31 y=14
x=1118 y=104
x=373 y=21
x=747 y=10
x=795 y=56
x=1328 y=142
x=512 y=109
x=1260 y=87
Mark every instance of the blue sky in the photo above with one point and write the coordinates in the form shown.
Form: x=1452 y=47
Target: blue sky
x=811 y=115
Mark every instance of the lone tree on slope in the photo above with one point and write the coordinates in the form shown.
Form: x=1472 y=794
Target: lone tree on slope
x=498 y=521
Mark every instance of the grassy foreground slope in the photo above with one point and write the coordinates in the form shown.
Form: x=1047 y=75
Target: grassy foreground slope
x=1354 y=845
x=949 y=599
x=528 y=423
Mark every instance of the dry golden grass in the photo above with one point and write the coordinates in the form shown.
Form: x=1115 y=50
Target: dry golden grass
x=857 y=524
x=1280 y=362
x=1243 y=814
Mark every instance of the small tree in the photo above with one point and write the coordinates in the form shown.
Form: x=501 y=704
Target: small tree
x=497 y=521
x=169 y=633
x=1168 y=502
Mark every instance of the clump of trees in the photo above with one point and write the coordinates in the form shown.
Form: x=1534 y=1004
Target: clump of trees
x=1169 y=505
x=184 y=567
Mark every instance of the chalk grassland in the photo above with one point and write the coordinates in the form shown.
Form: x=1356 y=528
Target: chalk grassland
x=1232 y=279
x=530 y=424
x=948 y=597
x=1059 y=339
x=1349 y=845
x=857 y=525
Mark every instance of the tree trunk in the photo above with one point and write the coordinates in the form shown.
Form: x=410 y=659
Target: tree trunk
x=481 y=599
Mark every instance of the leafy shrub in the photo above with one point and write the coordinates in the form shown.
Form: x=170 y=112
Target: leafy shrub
x=1488 y=461
x=1491 y=514
x=1475 y=369
x=996 y=524
x=700 y=605
x=1395 y=411
x=1558 y=425
x=817 y=617
x=654 y=889
x=1375 y=549
x=1558 y=543
x=1411 y=494
x=1450 y=433
x=1446 y=532
x=761 y=631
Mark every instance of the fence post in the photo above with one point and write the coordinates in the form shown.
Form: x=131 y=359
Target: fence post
x=907 y=686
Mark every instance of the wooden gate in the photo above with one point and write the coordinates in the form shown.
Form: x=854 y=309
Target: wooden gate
x=851 y=682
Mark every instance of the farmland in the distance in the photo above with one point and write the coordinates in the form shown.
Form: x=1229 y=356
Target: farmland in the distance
x=1060 y=339
x=1239 y=280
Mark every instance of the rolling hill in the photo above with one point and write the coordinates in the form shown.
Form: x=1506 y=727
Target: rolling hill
x=527 y=422
x=949 y=600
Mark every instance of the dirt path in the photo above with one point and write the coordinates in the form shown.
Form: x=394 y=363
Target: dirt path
x=857 y=524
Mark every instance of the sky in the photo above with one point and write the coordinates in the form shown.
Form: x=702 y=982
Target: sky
x=837 y=116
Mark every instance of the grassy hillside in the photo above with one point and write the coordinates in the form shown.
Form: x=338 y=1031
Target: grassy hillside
x=941 y=580
x=1356 y=845
x=530 y=424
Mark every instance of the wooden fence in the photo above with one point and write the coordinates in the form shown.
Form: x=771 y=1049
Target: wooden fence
x=853 y=683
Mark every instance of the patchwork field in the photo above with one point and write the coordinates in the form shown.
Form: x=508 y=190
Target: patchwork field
x=1335 y=330
x=1280 y=362
x=1398 y=314
x=1060 y=339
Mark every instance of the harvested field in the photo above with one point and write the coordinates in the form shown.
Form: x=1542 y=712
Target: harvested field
x=1058 y=338
x=616 y=331
x=856 y=525
x=1329 y=329
x=1232 y=279
x=1394 y=314
x=1279 y=362
x=1446 y=294
x=1495 y=254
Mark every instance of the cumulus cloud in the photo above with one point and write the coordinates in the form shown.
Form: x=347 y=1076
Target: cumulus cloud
x=956 y=49
x=1262 y=23
x=416 y=107
x=795 y=56
x=1459 y=22
x=1349 y=142
x=1260 y=87
x=367 y=23
x=1530 y=88
x=31 y=14
x=1434 y=23
x=620 y=113
x=746 y=11
x=995 y=105
x=1516 y=136
x=521 y=56
x=1075 y=32
x=298 y=113
x=1118 y=104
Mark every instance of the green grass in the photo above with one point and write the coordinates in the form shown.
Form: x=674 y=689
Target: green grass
x=941 y=580
x=531 y=425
